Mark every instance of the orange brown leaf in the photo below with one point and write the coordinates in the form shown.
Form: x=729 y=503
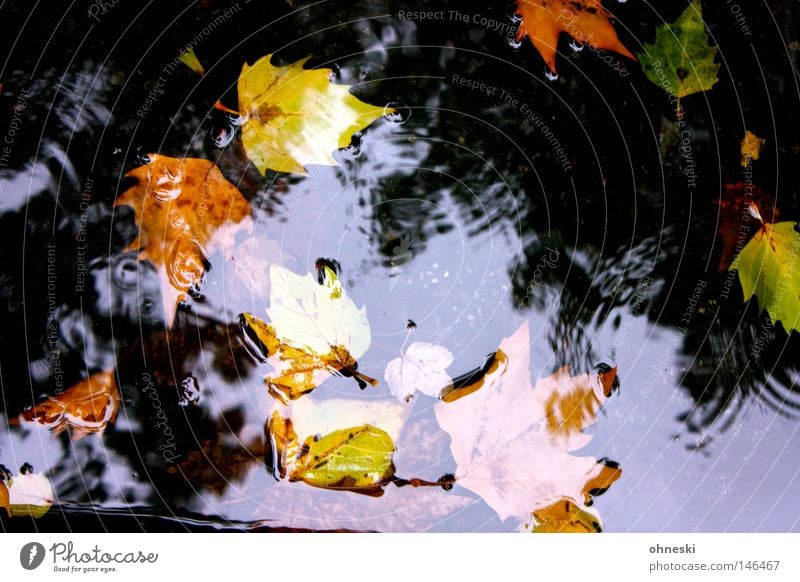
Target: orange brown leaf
x=185 y=209
x=586 y=21
x=87 y=407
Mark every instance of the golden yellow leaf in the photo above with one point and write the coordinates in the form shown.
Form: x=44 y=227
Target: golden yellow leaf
x=294 y=117
x=87 y=407
x=751 y=147
x=185 y=209
x=565 y=517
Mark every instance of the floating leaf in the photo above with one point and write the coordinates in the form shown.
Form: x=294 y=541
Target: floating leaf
x=315 y=331
x=294 y=117
x=87 y=407
x=751 y=147
x=511 y=441
x=185 y=209
x=769 y=268
x=189 y=58
x=420 y=368
x=356 y=458
x=680 y=61
x=28 y=494
x=565 y=517
x=737 y=224
x=586 y=21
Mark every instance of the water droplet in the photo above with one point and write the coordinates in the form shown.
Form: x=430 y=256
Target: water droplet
x=364 y=74
x=550 y=75
x=575 y=45
x=397 y=112
x=189 y=391
x=222 y=136
x=336 y=73
x=513 y=42
x=354 y=149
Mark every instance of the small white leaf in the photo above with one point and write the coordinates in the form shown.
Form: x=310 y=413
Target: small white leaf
x=421 y=368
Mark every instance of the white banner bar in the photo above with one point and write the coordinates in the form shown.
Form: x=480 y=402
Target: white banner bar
x=399 y=557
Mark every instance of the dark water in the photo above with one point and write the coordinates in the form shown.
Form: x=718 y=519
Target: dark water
x=446 y=212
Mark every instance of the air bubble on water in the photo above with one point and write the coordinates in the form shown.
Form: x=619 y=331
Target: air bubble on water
x=189 y=391
x=336 y=72
x=513 y=42
x=575 y=45
x=397 y=112
x=354 y=150
x=364 y=74
x=550 y=75
x=222 y=136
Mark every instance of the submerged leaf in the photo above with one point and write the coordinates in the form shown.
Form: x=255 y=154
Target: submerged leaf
x=294 y=117
x=189 y=58
x=511 y=441
x=751 y=147
x=586 y=21
x=88 y=406
x=185 y=209
x=769 y=268
x=680 y=61
x=421 y=368
x=315 y=331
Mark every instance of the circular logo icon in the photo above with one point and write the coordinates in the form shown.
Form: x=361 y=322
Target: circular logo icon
x=31 y=555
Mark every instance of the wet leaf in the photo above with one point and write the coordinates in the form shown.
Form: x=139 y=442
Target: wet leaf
x=586 y=21
x=189 y=58
x=511 y=441
x=315 y=330
x=565 y=517
x=737 y=224
x=421 y=368
x=769 y=268
x=294 y=117
x=87 y=407
x=185 y=209
x=680 y=61
x=751 y=147
x=355 y=458
x=4 y=500
x=29 y=494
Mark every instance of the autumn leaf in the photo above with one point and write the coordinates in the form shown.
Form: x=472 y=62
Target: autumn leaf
x=87 y=407
x=751 y=147
x=680 y=61
x=565 y=517
x=185 y=209
x=294 y=117
x=586 y=21
x=421 y=368
x=511 y=441
x=768 y=268
x=189 y=58
x=28 y=494
x=737 y=224
x=315 y=330
x=355 y=456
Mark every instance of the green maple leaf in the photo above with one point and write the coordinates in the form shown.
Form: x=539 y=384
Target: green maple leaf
x=680 y=61
x=769 y=268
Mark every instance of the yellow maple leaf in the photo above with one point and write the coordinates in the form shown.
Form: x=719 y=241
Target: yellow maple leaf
x=294 y=117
